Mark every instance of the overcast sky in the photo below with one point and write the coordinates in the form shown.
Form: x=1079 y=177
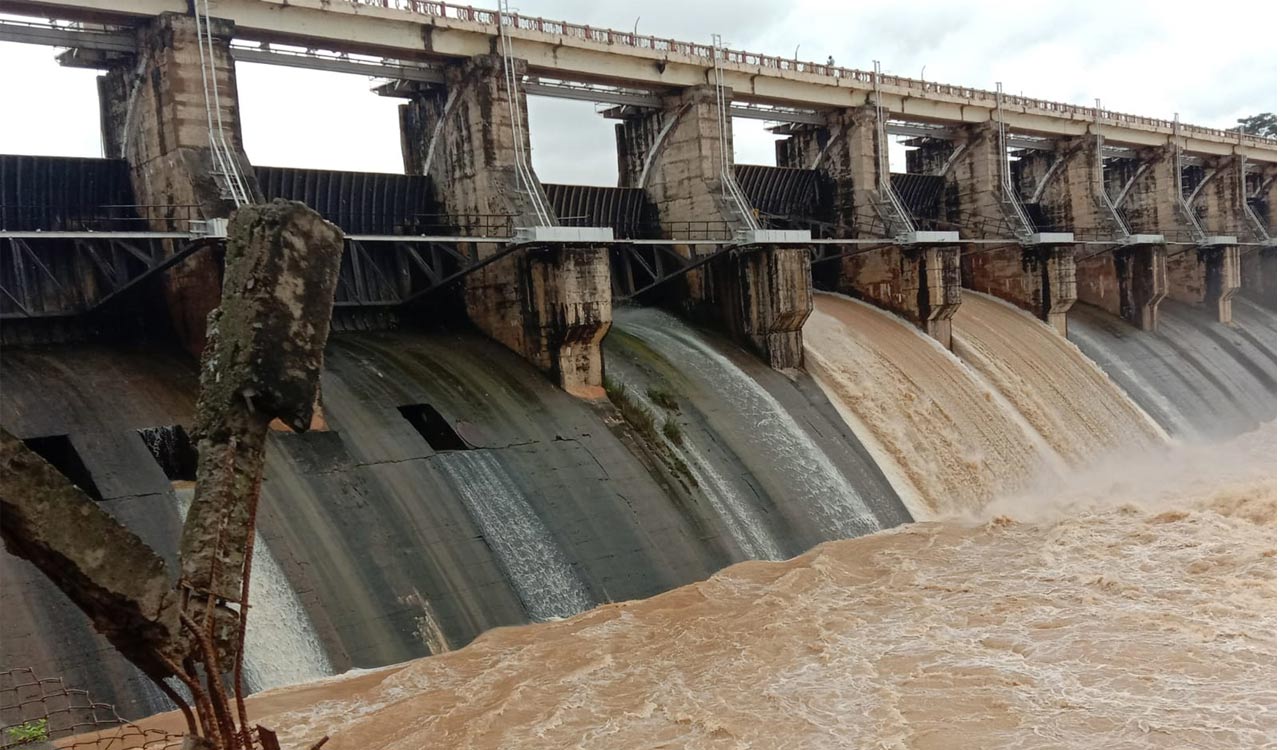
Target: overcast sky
x=1211 y=61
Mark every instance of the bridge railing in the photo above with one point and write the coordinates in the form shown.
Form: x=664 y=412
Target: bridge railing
x=439 y=9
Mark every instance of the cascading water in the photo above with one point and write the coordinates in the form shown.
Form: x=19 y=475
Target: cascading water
x=536 y=566
x=1195 y=376
x=955 y=442
x=808 y=475
x=281 y=647
x=742 y=519
x=1067 y=398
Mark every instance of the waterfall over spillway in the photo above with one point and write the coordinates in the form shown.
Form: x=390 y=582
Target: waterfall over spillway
x=1195 y=376
x=280 y=646
x=807 y=476
x=1064 y=395
x=954 y=440
x=536 y=566
x=743 y=520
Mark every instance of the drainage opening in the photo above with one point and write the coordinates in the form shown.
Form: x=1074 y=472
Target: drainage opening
x=172 y=449
x=432 y=426
x=62 y=455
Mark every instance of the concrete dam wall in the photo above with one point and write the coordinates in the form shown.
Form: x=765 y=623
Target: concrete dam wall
x=455 y=489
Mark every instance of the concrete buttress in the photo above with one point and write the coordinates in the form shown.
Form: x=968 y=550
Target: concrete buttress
x=918 y=282
x=154 y=115
x=1039 y=278
x=552 y=303
x=1207 y=275
x=1067 y=184
x=762 y=294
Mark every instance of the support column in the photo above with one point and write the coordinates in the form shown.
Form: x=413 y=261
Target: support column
x=918 y=282
x=154 y=115
x=1040 y=278
x=762 y=295
x=1258 y=264
x=1127 y=280
x=1205 y=275
x=551 y=304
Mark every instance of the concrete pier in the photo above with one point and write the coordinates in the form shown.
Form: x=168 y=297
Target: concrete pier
x=550 y=303
x=1040 y=277
x=1203 y=272
x=154 y=115
x=761 y=294
x=1127 y=279
x=918 y=282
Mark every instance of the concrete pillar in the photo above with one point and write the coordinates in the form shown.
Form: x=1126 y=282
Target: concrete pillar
x=551 y=304
x=154 y=115
x=1127 y=280
x=920 y=283
x=1258 y=264
x=1040 y=279
x=1258 y=275
x=763 y=295
x=1208 y=276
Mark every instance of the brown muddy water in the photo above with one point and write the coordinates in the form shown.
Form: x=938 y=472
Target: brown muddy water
x=1134 y=608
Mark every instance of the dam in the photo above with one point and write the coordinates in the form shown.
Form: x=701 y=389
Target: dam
x=541 y=400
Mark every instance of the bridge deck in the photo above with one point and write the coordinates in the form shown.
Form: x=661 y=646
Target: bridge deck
x=427 y=29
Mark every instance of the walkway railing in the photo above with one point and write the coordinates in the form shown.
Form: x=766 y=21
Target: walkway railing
x=707 y=52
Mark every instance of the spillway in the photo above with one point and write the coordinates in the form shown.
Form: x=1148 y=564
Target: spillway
x=789 y=458
x=453 y=489
x=1196 y=377
x=952 y=440
x=1079 y=411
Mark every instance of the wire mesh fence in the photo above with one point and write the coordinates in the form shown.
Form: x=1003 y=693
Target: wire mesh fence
x=37 y=713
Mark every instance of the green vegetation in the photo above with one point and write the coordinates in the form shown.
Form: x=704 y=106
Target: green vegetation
x=28 y=732
x=643 y=422
x=672 y=431
x=663 y=398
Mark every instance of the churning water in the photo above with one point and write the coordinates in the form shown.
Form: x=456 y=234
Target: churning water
x=1134 y=609
x=538 y=569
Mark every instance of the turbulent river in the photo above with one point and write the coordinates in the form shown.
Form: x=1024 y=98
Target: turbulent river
x=1134 y=609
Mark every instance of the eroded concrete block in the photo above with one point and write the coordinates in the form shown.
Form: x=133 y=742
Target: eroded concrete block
x=1126 y=281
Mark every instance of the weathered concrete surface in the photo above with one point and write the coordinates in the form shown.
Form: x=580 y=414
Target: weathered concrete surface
x=761 y=296
x=264 y=359
x=1206 y=276
x=1040 y=279
x=552 y=305
x=111 y=574
x=920 y=284
x=1200 y=276
x=154 y=115
x=1128 y=282
x=1258 y=275
x=766 y=296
